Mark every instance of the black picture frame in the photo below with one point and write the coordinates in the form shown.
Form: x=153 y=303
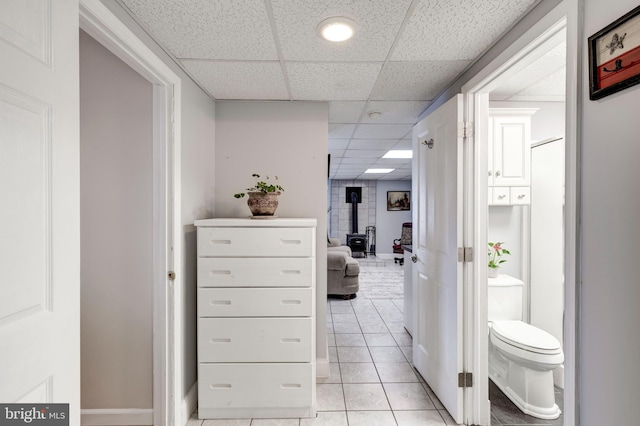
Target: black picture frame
x=398 y=200
x=614 y=56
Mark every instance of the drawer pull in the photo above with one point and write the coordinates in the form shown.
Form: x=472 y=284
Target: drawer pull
x=220 y=386
x=290 y=385
x=220 y=272
x=291 y=241
x=220 y=242
x=291 y=272
x=521 y=196
x=214 y=340
x=291 y=302
x=290 y=340
x=220 y=302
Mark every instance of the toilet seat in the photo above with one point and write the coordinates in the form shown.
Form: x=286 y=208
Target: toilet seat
x=526 y=337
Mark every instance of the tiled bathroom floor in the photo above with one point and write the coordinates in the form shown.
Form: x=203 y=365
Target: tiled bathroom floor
x=372 y=382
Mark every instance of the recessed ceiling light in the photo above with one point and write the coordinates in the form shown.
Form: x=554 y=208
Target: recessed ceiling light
x=379 y=170
x=336 y=28
x=399 y=153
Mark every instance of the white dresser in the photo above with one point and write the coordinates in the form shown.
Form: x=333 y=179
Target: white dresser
x=256 y=318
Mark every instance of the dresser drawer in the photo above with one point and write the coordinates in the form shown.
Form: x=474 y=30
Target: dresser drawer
x=254 y=339
x=271 y=242
x=255 y=385
x=255 y=302
x=255 y=272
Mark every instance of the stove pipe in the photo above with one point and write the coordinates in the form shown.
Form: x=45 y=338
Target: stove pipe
x=354 y=213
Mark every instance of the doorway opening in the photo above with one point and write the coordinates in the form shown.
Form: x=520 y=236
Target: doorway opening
x=505 y=211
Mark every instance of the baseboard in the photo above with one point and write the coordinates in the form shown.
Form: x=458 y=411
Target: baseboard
x=116 y=416
x=190 y=402
x=322 y=368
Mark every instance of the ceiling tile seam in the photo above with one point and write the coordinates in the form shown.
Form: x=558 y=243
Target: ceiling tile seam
x=405 y=21
x=477 y=58
x=161 y=46
x=276 y=40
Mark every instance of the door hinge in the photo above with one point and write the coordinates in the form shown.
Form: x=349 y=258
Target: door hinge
x=465 y=254
x=465 y=130
x=465 y=380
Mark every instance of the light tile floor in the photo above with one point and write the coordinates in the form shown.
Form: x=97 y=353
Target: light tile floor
x=371 y=382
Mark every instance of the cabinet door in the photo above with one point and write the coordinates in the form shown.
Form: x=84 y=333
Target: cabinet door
x=511 y=151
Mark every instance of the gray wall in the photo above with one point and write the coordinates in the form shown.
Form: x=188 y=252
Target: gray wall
x=610 y=289
x=341 y=211
x=116 y=147
x=287 y=139
x=196 y=164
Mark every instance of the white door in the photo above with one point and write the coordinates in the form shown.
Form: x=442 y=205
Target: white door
x=437 y=234
x=39 y=204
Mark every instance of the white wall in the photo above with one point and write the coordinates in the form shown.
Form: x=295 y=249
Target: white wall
x=610 y=289
x=389 y=223
x=116 y=231
x=287 y=139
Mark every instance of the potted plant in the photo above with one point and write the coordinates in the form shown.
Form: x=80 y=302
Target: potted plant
x=263 y=196
x=495 y=258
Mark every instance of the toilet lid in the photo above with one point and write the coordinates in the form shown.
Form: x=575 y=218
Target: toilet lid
x=525 y=336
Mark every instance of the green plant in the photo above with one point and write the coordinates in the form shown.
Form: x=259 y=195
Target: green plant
x=261 y=186
x=495 y=254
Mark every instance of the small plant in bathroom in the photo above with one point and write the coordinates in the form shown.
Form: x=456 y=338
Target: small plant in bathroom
x=496 y=251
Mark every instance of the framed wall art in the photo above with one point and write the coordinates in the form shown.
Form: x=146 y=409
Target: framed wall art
x=614 y=56
x=398 y=200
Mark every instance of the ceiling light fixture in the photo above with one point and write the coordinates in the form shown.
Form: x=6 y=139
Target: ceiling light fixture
x=399 y=153
x=336 y=28
x=379 y=170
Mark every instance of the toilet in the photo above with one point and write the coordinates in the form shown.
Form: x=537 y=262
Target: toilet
x=521 y=357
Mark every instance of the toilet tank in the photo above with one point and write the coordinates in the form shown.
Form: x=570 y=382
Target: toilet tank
x=504 y=295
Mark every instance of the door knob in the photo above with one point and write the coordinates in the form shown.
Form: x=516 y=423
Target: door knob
x=414 y=258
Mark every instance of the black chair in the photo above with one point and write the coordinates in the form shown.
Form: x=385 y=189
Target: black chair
x=405 y=239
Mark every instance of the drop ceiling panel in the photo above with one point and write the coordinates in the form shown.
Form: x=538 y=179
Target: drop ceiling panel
x=382 y=131
x=364 y=153
x=336 y=153
x=357 y=160
x=395 y=111
x=215 y=29
x=377 y=25
x=332 y=81
x=341 y=131
x=456 y=30
x=345 y=112
x=382 y=144
x=404 y=144
x=338 y=143
x=239 y=80
x=416 y=81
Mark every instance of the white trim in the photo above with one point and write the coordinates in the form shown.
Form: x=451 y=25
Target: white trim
x=99 y=22
x=190 y=402
x=509 y=62
x=114 y=416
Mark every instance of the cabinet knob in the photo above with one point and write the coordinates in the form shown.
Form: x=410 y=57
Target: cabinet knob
x=490 y=173
x=498 y=173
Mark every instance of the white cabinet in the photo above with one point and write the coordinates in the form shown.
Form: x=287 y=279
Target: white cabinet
x=509 y=155
x=256 y=318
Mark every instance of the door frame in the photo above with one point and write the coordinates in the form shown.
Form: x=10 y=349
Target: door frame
x=475 y=92
x=101 y=24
